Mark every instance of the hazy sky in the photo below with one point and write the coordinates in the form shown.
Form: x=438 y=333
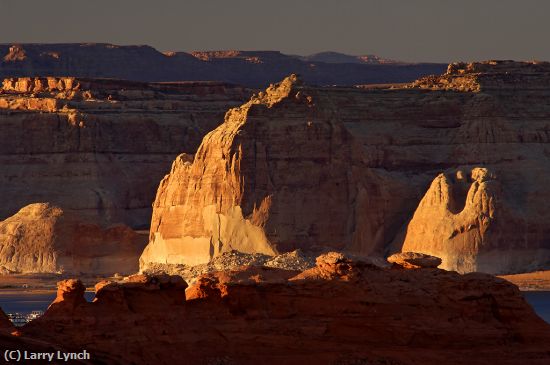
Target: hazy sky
x=409 y=30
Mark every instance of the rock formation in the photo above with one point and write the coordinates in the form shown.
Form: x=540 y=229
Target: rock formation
x=346 y=168
x=414 y=260
x=100 y=147
x=144 y=63
x=340 y=312
x=42 y=238
x=335 y=57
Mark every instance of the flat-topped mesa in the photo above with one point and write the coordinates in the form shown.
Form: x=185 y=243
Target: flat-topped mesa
x=298 y=167
x=490 y=75
x=100 y=146
x=255 y=69
x=256 y=57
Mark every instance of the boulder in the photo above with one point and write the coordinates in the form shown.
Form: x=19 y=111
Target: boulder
x=70 y=294
x=414 y=260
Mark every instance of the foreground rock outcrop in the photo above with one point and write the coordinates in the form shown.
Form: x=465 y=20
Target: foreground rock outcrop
x=454 y=166
x=42 y=238
x=339 y=312
x=100 y=147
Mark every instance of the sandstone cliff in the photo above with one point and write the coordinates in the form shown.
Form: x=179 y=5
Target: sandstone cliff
x=340 y=312
x=144 y=63
x=100 y=147
x=42 y=238
x=301 y=166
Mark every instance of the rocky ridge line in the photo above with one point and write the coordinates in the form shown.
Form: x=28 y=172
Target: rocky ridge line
x=341 y=311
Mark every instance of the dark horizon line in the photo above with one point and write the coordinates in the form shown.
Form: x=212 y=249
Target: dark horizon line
x=208 y=50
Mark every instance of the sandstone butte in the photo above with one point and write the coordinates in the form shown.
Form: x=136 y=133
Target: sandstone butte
x=341 y=311
x=42 y=238
x=99 y=147
x=455 y=166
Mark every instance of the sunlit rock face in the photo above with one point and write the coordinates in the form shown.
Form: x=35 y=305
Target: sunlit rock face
x=100 y=146
x=455 y=166
x=42 y=238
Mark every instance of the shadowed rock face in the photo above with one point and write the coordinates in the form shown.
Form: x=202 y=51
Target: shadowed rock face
x=144 y=63
x=100 y=147
x=339 y=312
x=42 y=238
x=300 y=166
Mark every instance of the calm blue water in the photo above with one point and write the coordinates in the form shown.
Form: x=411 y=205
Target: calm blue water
x=540 y=301
x=25 y=302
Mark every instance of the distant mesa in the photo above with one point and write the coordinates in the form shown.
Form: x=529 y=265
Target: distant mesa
x=15 y=53
x=275 y=56
x=255 y=69
x=335 y=57
x=482 y=76
x=248 y=56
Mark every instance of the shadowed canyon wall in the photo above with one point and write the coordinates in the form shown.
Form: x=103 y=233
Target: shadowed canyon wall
x=100 y=147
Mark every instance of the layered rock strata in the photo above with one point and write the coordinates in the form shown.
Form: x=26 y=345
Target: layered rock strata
x=339 y=312
x=300 y=166
x=42 y=238
x=100 y=147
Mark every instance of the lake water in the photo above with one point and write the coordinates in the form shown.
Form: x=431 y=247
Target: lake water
x=26 y=302
x=540 y=301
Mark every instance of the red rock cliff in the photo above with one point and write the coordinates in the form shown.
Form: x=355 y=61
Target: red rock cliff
x=340 y=312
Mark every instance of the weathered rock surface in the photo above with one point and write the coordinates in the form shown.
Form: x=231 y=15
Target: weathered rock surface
x=42 y=238
x=414 y=260
x=300 y=166
x=489 y=216
x=100 y=147
x=340 y=312
x=144 y=63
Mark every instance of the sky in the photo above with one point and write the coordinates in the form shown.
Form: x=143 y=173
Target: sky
x=407 y=30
